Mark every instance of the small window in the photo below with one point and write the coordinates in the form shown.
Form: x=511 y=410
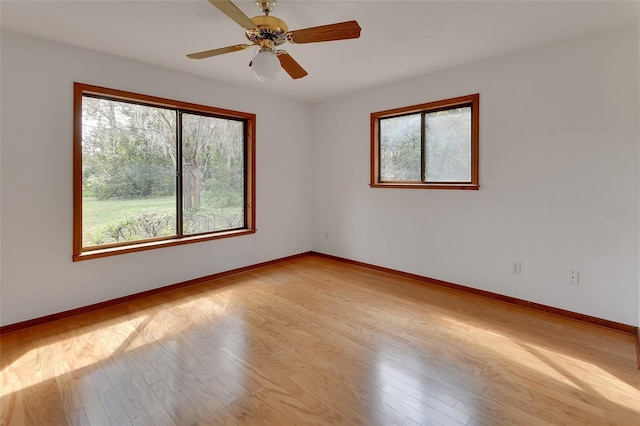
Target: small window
x=152 y=172
x=433 y=145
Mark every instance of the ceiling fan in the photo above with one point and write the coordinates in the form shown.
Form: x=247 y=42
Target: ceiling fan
x=267 y=32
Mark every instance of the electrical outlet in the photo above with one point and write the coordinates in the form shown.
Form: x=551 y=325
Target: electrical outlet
x=573 y=278
x=516 y=267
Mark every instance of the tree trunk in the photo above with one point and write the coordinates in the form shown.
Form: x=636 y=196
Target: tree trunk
x=195 y=193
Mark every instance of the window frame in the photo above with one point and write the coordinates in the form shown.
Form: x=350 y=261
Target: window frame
x=85 y=253
x=472 y=101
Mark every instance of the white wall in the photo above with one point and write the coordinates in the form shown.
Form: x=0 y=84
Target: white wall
x=638 y=75
x=558 y=148
x=37 y=103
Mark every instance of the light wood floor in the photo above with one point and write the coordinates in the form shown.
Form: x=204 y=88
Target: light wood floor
x=314 y=341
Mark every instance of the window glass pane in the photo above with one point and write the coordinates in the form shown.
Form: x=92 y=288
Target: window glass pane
x=448 y=145
x=213 y=174
x=128 y=172
x=400 y=148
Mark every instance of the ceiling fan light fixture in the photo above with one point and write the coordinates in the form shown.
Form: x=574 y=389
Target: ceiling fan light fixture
x=266 y=65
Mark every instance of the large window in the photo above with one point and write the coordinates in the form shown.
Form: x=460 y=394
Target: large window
x=151 y=172
x=433 y=145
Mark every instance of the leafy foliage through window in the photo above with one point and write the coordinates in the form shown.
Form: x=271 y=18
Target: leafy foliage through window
x=431 y=145
x=153 y=170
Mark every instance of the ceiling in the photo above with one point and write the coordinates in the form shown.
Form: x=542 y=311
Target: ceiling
x=399 y=39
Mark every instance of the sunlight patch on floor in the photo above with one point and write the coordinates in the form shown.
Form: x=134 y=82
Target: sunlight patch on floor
x=101 y=342
x=558 y=366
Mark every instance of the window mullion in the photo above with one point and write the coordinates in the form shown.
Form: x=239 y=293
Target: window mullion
x=246 y=165
x=179 y=188
x=423 y=149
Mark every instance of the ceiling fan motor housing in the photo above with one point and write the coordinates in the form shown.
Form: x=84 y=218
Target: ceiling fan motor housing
x=269 y=28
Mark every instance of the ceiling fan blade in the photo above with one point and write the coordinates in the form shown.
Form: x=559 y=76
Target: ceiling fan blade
x=290 y=65
x=216 y=52
x=232 y=11
x=339 y=31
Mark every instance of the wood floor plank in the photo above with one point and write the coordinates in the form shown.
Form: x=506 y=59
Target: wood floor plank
x=476 y=422
x=210 y=413
x=278 y=386
x=78 y=418
x=418 y=387
x=169 y=372
x=114 y=409
x=425 y=403
x=173 y=403
x=66 y=386
x=12 y=407
x=143 y=366
x=126 y=394
x=139 y=416
x=162 y=418
x=415 y=411
x=91 y=404
x=494 y=412
x=384 y=415
x=314 y=341
x=100 y=381
x=139 y=386
x=164 y=395
x=43 y=404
